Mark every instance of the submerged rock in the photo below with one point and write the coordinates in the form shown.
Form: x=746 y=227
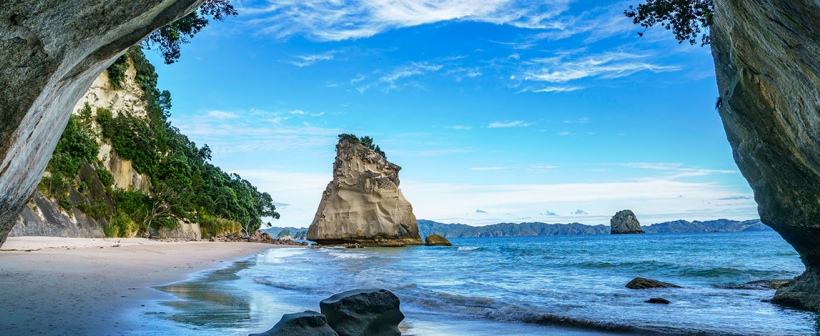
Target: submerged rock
x=363 y=203
x=363 y=312
x=768 y=75
x=644 y=283
x=307 y=323
x=436 y=240
x=625 y=222
x=762 y=284
x=658 y=300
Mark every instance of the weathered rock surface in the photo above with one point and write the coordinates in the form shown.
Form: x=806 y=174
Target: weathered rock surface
x=307 y=323
x=768 y=73
x=363 y=312
x=50 y=53
x=363 y=203
x=436 y=240
x=625 y=222
x=644 y=283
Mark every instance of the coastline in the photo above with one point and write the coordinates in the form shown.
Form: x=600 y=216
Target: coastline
x=100 y=286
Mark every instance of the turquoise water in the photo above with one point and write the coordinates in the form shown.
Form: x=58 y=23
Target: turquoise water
x=516 y=285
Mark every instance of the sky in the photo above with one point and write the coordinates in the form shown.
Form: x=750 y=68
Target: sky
x=498 y=111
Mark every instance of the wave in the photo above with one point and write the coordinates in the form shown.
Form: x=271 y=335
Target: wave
x=468 y=248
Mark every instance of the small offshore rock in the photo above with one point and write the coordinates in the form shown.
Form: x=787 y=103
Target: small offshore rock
x=658 y=300
x=762 y=284
x=363 y=312
x=644 y=283
x=436 y=240
x=625 y=222
x=307 y=323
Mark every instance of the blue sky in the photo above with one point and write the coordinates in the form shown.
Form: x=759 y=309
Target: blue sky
x=498 y=111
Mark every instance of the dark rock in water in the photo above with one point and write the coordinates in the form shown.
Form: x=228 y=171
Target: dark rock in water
x=767 y=72
x=644 y=283
x=658 y=300
x=625 y=222
x=363 y=312
x=307 y=323
x=436 y=240
x=762 y=284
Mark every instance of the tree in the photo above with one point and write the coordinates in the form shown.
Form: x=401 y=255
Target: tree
x=687 y=19
x=170 y=38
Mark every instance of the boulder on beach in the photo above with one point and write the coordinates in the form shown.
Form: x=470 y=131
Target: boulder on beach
x=363 y=312
x=307 y=323
x=625 y=222
x=436 y=240
x=363 y=203
x=644 y=283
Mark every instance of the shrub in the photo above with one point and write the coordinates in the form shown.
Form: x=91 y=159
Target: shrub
x=105 y=176
x=65 y=203
x=116 y=72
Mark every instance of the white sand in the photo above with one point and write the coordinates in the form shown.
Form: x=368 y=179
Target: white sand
x=84 y=286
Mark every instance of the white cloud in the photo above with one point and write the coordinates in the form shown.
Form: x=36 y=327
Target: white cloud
x=489 y=168
x=459 y=127
x=334 y=20
x=610 y=65
x=676 y=170
x=307 y=60
x=509 y=124
x=222 y=115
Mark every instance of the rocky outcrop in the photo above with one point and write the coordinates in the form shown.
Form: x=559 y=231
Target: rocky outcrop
x=363 y=204
x=50 y=52
x=307 y=323
x=363 y=312
x=644 y=283
x=436 y=240
x=768 y=74
x=625 y=222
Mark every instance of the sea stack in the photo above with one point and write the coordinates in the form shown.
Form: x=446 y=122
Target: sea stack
x=363 y=204
x=625 y=222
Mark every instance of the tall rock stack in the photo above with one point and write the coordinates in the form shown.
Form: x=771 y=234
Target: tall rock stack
x=625 y=222
x=363 y=204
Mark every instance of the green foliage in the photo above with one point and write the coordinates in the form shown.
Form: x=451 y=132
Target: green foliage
x=65 y=203
x=213 y=226
x=105 y=176
x=687 y=19
x=116 y=72
x=170 y=38
x=365 y=141
x=73 y=149
x=98 y=211
x=121 y=226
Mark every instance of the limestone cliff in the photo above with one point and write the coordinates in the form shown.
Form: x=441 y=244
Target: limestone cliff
x=625 y=222
x=768 y=72
x=363 y=203
x=50 y=52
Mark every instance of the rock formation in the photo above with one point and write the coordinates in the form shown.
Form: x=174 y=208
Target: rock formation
x=625 y=222
x=363 y=312
x=307 y=323
x=644 y=283
x=363 y=204
x=50 y=52
x=768 y=73
x=436 y=240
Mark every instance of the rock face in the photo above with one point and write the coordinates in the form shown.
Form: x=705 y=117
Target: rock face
x=436 y=240
x=50 y=53
x=363 y=312
x=768 y=73
x=644 y=283
x=307 y=323
x=363 y=204
x=625 y=222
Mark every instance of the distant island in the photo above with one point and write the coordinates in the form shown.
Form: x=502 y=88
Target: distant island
x=428 y=227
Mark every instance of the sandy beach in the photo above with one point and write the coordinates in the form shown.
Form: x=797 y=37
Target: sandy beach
x=86 y=286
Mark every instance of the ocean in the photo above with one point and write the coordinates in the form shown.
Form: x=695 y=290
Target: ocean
x=572 y=285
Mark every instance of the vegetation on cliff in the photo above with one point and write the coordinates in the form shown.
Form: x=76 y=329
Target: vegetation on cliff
x=184 y=184
x=689 y=20
x=364 y=141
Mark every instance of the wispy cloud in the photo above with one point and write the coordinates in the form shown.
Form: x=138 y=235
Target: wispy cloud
x=509 y=124
x=579 y=212
x=307 y=60
x=222 y=115
x=325 y=20
x=489 y=168
x=677 y=170
x=610 y=65
x=459 y=127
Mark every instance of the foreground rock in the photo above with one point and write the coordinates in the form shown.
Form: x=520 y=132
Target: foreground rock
x=625 y=222
x=308 y=323
x=644 y=283
x=436 y=240
x=363 y=313
x=363 y=204
x=50 y=53
x=768 y=74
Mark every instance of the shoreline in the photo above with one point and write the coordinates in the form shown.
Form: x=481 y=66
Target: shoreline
x=100 y=286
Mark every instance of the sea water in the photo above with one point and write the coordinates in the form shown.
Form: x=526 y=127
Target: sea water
x=514 y=286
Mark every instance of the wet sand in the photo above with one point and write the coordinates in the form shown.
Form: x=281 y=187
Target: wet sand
x=85 y=286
